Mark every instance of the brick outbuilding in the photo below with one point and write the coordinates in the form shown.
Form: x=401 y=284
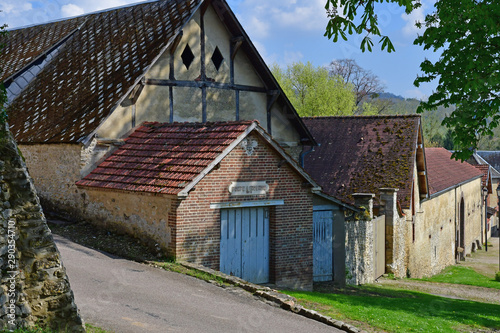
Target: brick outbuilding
x=223 y=195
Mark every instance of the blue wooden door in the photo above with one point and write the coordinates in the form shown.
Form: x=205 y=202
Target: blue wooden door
x=244 y=245
x=323 y=245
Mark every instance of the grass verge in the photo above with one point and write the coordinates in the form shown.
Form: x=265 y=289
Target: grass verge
x=402 y=311
x=462 y=275
x=90 y=329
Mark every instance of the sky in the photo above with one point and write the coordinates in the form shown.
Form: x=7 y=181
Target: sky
x=284 y=31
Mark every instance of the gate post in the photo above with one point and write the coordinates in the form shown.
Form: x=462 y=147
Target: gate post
x=388 y=205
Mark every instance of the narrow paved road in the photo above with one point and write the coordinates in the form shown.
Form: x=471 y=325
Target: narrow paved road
x=125 y=296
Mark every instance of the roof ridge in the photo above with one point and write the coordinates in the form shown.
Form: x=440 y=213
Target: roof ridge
x=193 y=124
x=366 y=117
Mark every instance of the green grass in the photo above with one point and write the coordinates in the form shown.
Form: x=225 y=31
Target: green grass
x=178 y=268
x=92 y=329
x=401 y=311
x=463 y=275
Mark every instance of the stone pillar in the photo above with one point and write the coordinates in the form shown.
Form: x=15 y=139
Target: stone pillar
x=365 y=200
x=388 y=205
x=34 y=288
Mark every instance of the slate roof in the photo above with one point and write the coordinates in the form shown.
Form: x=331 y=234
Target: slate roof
x=164 y=158
x=364 y=154
x=104 y=56
x=444 y=172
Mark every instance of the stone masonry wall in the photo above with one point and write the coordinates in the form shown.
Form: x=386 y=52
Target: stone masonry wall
x=436 y=224
x=34 y=286
x=55 y=168
x=360 y=247
x=142 y=215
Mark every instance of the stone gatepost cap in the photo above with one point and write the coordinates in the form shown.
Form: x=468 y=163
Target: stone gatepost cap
x=388 y=189
x=364 y=195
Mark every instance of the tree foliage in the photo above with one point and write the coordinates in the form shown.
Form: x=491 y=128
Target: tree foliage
x=313 y=92
x=343 y=15
x=467 y=32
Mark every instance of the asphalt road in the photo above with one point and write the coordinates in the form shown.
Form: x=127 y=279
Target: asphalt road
x=124 y=296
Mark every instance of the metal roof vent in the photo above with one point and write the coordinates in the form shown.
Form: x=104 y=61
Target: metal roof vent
x=187 y=56
x=217 y=58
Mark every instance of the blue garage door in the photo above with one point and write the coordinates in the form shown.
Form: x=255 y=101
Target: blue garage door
x=323 y=245
x=244 y=243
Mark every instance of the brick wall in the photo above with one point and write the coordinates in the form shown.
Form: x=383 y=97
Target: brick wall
x=197 y=231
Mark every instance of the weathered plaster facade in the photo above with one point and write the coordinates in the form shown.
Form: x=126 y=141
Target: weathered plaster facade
x=35 y=289
x=156 y=102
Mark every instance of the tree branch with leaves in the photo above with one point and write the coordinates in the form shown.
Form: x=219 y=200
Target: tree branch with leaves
x=467 y=33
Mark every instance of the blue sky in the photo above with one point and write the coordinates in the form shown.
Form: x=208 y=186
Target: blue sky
x=284 y=31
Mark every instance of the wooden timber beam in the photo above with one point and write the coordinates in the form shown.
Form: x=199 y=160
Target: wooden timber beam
x=207 y=84
x=236 y=43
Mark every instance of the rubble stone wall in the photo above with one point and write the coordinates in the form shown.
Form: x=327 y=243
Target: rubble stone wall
x=35 y=289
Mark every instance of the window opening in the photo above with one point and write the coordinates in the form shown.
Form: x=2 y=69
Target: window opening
x=187 y=56
x=217 y=58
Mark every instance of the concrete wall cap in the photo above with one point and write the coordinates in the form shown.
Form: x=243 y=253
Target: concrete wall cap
x=363 y=195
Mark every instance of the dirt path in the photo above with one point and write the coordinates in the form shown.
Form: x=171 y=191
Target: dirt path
x=483 y=262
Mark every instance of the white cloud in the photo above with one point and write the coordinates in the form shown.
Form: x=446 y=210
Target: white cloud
x=70 y=10
x=415 y=93
x=258 y=16
x=256 y=28
x=308 y=15
x=417 y=15
x=15 y=7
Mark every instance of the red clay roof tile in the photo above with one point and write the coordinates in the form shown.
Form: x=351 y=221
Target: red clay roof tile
x=444 y=172
x=484 y=168
x=151 y=163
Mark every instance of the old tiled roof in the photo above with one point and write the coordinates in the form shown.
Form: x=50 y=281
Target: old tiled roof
x=444 y=172
x=364 y=154
x=484 y=168
x=24 y=46
x=164 y=158
x=97 y=65
x=492 y=158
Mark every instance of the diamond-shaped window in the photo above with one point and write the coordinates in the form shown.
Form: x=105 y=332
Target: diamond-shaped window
x=187 y=56
x=217 y=58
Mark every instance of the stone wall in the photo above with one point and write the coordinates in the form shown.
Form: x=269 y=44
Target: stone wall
x=55 y=168
x=432 y=246
x=141 y=215
x=35 y=288
x=360 y=249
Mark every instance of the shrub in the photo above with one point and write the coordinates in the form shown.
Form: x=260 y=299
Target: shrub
x=497 y=276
